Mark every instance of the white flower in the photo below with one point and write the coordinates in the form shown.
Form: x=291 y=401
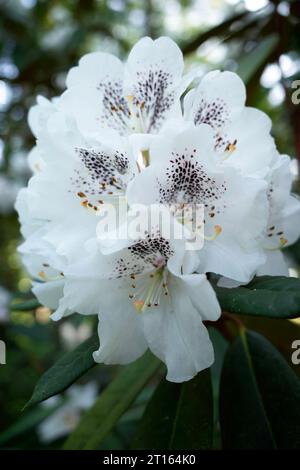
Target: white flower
x=65 y=419
x=147 y=295
x=39 y=256
x=59 y=209
x=134 y=97
x=39 y=114
x=119 y=132
x=185 y=168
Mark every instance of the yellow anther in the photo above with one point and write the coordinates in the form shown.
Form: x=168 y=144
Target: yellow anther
x=217 y=231
x=231 y=147
x=130 y=98
x=283 y=241
x=139 y=305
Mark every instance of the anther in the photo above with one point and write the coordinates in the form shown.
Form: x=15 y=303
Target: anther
x=217 y=231
x=139 y=304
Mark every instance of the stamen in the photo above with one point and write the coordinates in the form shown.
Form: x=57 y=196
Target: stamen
x=217 y=231
x=89 y=205
x=231 y=147
x=136 y=115
x=150 y=292
x=282 y=243
x=45 y=278
x=140 y=114
x=139 y=305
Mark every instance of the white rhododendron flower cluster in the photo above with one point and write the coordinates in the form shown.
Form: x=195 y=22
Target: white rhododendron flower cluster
x=133 y=132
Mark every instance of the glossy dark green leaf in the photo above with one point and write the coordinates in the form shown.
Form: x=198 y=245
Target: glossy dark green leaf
x=65 y=371
x=281 y=332
x=259 y=397
x=179 y=416
x=112 y=404
x=269 y=296
x=220 y=345
x=251 y=63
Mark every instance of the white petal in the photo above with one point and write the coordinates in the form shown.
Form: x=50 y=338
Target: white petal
x=284 y=214
x=176 y=334
x=254 y=145
x=162 y=53
x=237 y=251
x=95 y=94
x=49 y=293
x=93 y=69
x=153 y=77
x=275 y=265
x=226 y=257
x=202 y=296
x=62 y=310
x=120 y=331
x=164 y=152
x=291 y=219
x=82 y=287
x=219 y=98
x=35 y=160
x=39 y=114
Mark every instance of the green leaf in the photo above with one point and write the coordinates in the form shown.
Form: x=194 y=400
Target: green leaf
x=179 y=416
x=259 y=397
x=281 y=333
x=220 y=345
x=253 y=61
x=27 y=305
x=112 y=404
x=65 y=371
x=277 y=297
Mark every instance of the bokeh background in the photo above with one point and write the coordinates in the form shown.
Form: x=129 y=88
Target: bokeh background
x=39 y=41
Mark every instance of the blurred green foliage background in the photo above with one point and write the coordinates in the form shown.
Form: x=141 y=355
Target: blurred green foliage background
x=39 y=41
